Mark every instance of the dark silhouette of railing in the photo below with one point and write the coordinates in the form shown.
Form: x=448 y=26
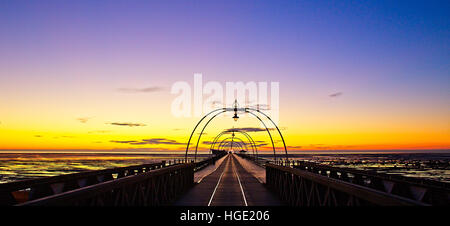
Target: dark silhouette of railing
x=153 y=188
x=302 y=188
x=117 y=186
x=209 y=161
x=421 y=190
x=297 y=183
x=26 y=190
x=301 y=183
x=255 y=159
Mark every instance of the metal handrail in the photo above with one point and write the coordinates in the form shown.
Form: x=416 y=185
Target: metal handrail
x=370 y=195
x=97 y=190
x=28 y=183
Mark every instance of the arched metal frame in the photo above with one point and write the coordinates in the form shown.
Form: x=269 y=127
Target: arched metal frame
x=278 y=129
x=249 y=138
x=236 y=143
x=239 y=139
x=196 y=147
x=235 y=109
x=195 y=128
x=270 y=135
x=245 y=110
x=239 y=143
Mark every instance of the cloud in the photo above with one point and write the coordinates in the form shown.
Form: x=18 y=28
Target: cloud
x=331 y=147
x=141 y=90
x=258 y=143
x=123 y=141
x=100 y=131
x=65 y=136
x=261 y=143
x=83 y=120
x=163 y=141
x=149 y=141
x=215 y=103
x=68 y=136
x=321 y=146
x=126 y=124
x=248 y=129
x=335 y=94
x=264 y=107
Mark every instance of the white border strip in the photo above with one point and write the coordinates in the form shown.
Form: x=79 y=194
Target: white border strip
x=217 y=185
x=239 y=180
x=242 y=190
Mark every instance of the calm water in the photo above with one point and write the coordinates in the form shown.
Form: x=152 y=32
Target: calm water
x=18 y=166
x=435 y=166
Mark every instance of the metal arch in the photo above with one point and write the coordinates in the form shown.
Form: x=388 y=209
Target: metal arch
x=254 y=144
x=279 y=132
x=225 y=141
x=239 y=139
x=237 y=143
x=216 y=138
x=192 y=133
x=247 y=110
x=267 y=129
x=201 y=133
x=270 y=135
x=250 y=139
x=213 y=144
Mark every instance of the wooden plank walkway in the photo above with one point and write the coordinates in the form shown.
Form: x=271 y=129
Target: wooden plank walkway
x=229 y=185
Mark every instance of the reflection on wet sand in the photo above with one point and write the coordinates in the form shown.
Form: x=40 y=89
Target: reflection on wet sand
x=19 y=166
x=435 y=166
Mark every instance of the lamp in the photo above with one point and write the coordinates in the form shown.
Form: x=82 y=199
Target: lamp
x=235 y=105
x=235 y=117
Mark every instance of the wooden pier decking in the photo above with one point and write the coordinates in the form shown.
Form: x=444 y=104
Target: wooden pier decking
x=229 y=185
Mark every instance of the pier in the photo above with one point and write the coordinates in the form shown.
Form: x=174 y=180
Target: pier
x=232 y=175
x=229 y=185
x=222 y=181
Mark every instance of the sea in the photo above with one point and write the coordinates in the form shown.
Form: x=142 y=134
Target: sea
x=25 y=165
x=16 y=166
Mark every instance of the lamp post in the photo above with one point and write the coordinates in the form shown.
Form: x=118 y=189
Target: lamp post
x=235 y=116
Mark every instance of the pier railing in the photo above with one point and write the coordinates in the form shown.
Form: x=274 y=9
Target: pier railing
x=302 y=188
x=48 y=189
x=31 y=189
x=209 y=161
x=394 y=187
x=153 y=188
x=257 y=160
x=421 y=190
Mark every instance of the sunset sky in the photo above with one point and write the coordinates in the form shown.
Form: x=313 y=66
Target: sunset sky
x=359 y=75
